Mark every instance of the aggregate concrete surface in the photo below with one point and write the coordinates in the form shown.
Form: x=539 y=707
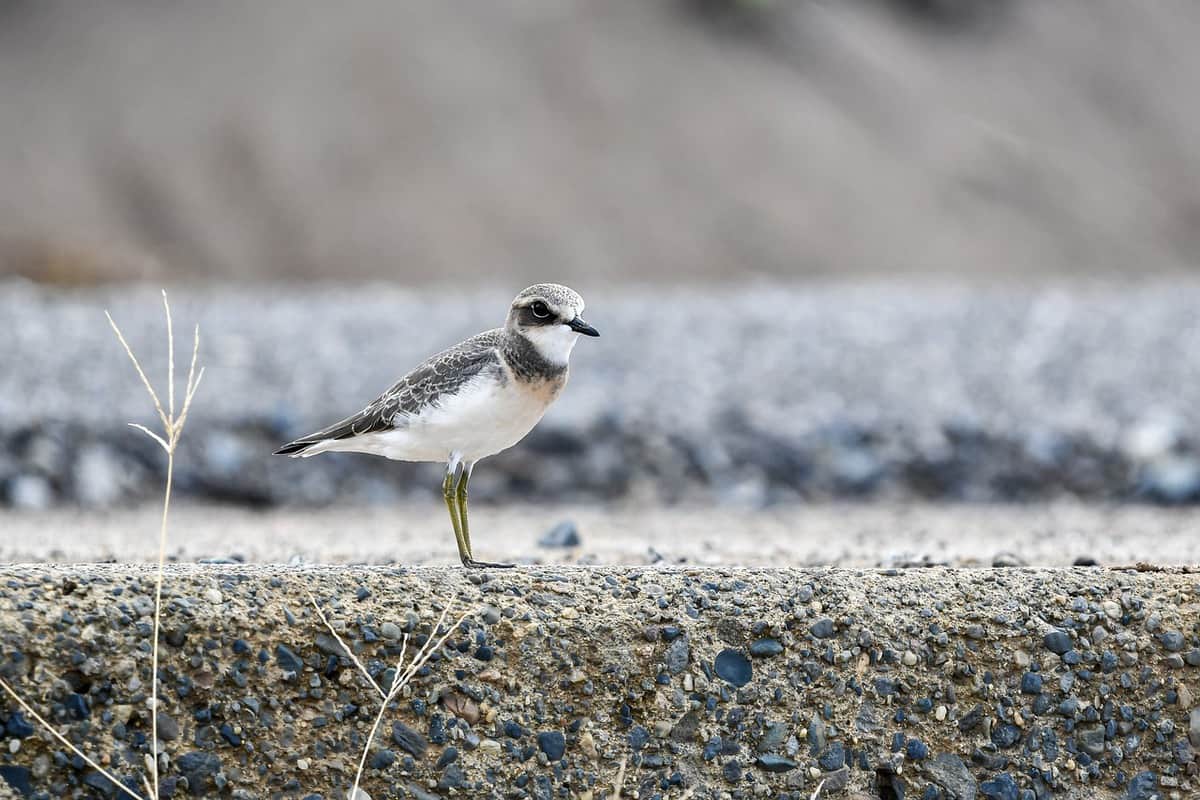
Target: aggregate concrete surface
x=755 y=395
x=632 y=682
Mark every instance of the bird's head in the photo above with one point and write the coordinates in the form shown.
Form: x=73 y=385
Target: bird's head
x=550 y=317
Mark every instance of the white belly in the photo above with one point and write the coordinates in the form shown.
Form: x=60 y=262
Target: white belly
x=481 y=420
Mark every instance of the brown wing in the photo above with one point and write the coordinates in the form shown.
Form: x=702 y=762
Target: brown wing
x=440 y=376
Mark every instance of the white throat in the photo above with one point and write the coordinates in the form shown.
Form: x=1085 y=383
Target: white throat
x=553 y=342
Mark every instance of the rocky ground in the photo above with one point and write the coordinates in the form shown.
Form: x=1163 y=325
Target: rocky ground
x=598 y=683
x=750 y=397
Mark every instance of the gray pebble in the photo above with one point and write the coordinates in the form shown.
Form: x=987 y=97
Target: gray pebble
x=822 y=628
x=564 y=534
x=678 y=654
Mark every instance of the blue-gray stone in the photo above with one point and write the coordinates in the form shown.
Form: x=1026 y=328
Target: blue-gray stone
x=1006 y=735
x=822 y=628
x=773 y=763
x=1091 y=740
x=638 y=737
x=711 y=748
x=453 y=778
x=448 y=757
x=19 y=779
x=564 y=534
x=916 y=750
x=1031 y=683
x=230 y=735
x=100 y=783
x=1002 y=787
x=553 y=744
x=733 y=667
x=833 y=758
x=816 y=734
x=287 y=660
x=199 y=768
x=18 y=727
x=1057 y=642
x=971 y=719
x=688 y=725
x=836 y=781
x=1144 y=786
x=77 y=706
x=408 y=740
x=678 y=653
x=1172 y=641
x=950 y=773
x=383 y=759
x=764 y=648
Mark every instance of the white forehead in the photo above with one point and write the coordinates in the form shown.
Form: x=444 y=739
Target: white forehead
x=557 y=295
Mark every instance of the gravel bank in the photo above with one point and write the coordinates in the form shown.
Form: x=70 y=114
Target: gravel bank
x=750 y=397
x=934 y=683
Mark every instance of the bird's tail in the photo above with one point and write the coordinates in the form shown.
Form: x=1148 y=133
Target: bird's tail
x=297 y=448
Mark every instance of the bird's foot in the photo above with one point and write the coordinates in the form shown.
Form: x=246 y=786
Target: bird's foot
x=473 y=564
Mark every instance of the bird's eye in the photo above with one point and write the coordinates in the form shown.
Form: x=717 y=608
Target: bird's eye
x=540 y=310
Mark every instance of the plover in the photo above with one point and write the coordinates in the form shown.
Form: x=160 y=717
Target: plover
x=469 y=402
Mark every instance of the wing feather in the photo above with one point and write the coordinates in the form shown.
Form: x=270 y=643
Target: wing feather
x=438 y=377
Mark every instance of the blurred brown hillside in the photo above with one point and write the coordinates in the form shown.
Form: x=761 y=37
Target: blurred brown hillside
x=647 y=139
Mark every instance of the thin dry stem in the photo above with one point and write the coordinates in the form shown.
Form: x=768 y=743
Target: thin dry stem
x=158 y=582
x=166 y=447
x=170 y=358
x=193 y=382
x=67 y=743
x=172 y=430
x=162 y=415
x=429 y=647
x=817 y=791
x=400 y=680
x=392 y=691
x=349 y=652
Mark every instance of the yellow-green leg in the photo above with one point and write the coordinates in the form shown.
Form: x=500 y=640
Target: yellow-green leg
x=468 y=561
x=451 y=497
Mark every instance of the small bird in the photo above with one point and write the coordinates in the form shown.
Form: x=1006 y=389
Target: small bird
x=469 y=402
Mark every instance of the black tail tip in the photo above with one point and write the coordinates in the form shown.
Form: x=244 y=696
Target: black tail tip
x=292 y=448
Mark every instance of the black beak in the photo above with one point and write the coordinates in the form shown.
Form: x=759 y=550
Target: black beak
x=579 y=326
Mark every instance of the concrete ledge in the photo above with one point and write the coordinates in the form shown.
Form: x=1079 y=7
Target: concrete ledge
x=932 y=683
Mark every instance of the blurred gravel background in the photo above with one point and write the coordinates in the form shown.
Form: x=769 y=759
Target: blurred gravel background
x=747 y=396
